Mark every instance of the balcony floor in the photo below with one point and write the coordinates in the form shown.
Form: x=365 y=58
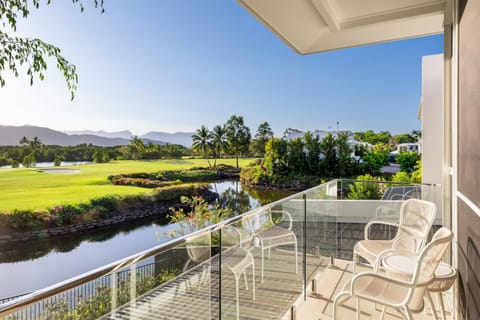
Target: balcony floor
x=319 y=306
x=195 y=295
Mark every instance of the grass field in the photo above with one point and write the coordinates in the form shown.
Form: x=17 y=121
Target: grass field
x=34 y=189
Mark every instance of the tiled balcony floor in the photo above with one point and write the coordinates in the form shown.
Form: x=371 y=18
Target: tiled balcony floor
x=189 y=297
x=319 y=306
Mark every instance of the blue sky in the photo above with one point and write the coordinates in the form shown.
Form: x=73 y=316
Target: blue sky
x=173 y=65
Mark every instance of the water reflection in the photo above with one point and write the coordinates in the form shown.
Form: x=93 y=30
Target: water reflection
x=34 y=249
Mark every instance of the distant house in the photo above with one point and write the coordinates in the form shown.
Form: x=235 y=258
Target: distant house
x=321 y=134
x=408 y=147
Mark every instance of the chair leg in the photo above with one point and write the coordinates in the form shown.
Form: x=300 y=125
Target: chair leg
x=237 y=296
x=296 y=257
x=382 y=315
x=245 y=280
x=408 y=313
x=440 y=303
x=358 y=308
x=253 y=281
x=355 y=258
x=263 y=265
x=430 y=301
x=336 y=302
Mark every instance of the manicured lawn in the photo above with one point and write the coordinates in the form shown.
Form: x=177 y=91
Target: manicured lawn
x=34 y=189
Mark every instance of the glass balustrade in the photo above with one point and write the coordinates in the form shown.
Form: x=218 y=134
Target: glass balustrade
x=253 y=266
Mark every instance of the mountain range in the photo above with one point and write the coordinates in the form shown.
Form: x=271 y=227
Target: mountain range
x=11 y=135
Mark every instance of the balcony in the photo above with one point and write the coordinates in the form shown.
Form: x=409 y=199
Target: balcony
x=285 y=260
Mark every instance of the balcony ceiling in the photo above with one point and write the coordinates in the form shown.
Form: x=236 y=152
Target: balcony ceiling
x=310 y=26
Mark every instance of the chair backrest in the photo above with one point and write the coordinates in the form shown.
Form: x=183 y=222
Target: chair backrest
x=416 y=219
x=432 y=254
x=428 y=261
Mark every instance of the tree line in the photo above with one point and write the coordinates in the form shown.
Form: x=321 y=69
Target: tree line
x=232 y=138
x=32 y=150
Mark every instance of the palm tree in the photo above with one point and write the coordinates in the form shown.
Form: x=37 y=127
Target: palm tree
x=136 y=147
x=202 y=142
x=219 y=141
x=36 y=143
x=24 y=141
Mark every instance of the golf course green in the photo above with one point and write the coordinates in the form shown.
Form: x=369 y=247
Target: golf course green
x=36 y=188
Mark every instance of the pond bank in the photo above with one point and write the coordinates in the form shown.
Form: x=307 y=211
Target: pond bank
x=156 y=209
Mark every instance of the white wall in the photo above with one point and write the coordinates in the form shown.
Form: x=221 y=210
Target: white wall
x=433 y=141
x=432 y=119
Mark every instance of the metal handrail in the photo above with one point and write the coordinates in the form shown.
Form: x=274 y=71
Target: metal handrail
x=393 y=182
x=34 y=297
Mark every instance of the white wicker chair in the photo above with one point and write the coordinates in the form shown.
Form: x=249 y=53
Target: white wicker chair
x=394 y=292
x=416 y=219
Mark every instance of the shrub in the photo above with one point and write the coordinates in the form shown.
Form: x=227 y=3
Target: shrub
x=254 y=175
x=29 y=161
x=365 y=188
x=15 y=164
x=100 y=156
x=173 y=193
x=415 y=176
x=25 y=219
x=105 y=204
x=200 y=216
x=373 y=162
x=57 y=162
x=407 y=160
x=143 y=183
x=401 y=177
x=64 y=214
x=4 y=161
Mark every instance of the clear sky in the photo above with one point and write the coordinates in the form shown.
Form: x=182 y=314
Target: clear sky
x=173 y=65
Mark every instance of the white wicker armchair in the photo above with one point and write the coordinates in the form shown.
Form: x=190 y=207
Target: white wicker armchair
x=406 y=295
x=416 y=219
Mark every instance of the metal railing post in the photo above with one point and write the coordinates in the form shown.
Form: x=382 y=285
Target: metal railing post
x=113 y=291
x=304 y=247
x=133 y=282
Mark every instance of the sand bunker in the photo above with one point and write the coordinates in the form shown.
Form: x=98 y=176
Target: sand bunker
x=61 y=171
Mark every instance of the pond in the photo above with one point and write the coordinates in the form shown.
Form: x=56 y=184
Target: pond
x=52 y=164
x=32 y=265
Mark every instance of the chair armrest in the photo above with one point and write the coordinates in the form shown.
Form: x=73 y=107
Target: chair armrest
x=374 y=221
x=369 y=274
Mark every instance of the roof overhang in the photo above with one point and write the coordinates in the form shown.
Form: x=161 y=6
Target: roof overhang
x=310 y=26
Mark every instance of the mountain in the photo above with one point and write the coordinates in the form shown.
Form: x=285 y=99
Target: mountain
x=182 y=138
x=11 y=135
x=125 y=134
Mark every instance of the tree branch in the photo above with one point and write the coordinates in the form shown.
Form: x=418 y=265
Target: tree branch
x=17 y=51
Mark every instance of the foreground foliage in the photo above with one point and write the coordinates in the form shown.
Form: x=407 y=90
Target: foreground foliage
x=31 y=52
x=101 y=302
x=200 y=215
